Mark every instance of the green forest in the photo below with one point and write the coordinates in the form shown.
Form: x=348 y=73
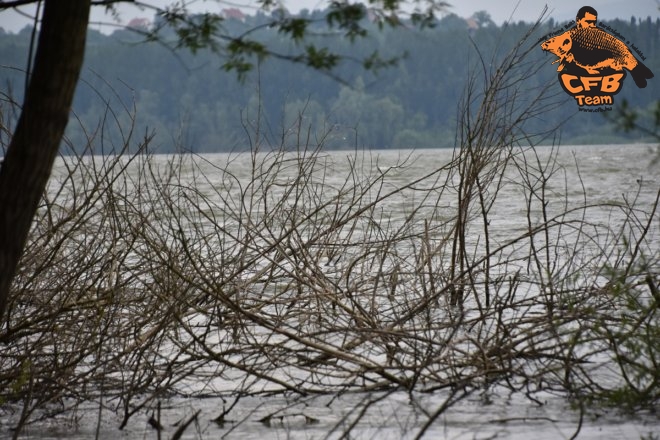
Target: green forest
x=191 y=103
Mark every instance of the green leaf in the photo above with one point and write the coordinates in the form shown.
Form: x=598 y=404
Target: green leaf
x=347 y=17
x=321 y=59
x=296 y=27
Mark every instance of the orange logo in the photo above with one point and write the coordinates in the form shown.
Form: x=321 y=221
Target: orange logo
x=593 y=62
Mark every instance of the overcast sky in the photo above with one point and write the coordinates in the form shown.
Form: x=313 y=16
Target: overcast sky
x=499 y=10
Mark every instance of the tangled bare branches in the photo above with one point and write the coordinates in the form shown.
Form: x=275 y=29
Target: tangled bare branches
x=306 y=272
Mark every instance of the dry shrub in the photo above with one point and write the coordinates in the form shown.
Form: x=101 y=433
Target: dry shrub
x=306 y=272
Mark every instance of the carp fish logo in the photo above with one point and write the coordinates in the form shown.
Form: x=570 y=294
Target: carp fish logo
x=593 y=62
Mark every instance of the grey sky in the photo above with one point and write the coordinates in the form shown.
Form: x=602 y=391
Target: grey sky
x=500 y=11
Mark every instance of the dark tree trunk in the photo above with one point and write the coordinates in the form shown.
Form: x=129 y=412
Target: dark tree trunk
x=26 y=167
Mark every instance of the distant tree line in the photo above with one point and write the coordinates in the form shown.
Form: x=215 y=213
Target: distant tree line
x=192 y=103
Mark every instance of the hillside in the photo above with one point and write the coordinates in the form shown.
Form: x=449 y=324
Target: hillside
x=192 y=103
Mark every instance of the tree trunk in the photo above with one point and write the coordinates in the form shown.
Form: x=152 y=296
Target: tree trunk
x=26 y=167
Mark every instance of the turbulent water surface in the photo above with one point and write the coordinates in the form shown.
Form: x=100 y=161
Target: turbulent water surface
x=600 y=174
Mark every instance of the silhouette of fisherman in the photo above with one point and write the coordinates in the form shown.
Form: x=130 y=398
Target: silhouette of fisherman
x=586 y=17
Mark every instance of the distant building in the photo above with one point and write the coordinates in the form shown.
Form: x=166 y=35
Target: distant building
x=233 y=13
x=141 y=24
x=472 y=24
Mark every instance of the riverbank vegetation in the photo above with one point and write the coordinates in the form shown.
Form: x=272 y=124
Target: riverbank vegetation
x=146 y=278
